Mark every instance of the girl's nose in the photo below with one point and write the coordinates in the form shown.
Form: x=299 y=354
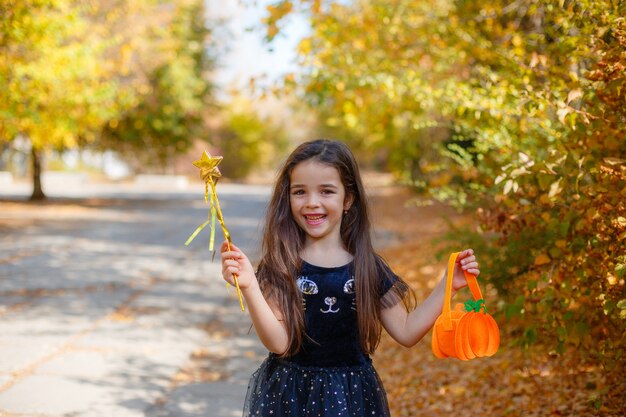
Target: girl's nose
x=313 y=200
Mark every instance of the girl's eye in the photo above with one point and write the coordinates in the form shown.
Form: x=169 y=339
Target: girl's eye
x=328 y=192
x=297 y=192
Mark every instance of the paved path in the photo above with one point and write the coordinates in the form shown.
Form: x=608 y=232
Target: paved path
x=104 y=311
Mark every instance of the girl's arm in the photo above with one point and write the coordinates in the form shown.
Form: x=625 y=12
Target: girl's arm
x=265 y=316
x=409 y=328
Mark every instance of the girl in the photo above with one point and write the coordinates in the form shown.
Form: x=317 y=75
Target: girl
x=321 y=294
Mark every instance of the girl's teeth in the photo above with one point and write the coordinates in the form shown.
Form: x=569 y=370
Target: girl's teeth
x=315 y=220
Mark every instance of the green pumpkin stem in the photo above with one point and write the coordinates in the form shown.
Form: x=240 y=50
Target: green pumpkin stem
x=475 y=306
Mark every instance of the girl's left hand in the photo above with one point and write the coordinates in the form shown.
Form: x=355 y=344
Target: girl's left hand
x=465 y=261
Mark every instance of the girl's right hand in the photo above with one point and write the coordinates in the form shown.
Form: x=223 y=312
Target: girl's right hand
x=235 y=262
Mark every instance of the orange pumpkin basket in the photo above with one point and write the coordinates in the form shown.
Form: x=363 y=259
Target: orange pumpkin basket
x=466 y=332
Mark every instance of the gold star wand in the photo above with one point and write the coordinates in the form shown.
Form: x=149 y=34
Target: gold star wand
x=210 y=173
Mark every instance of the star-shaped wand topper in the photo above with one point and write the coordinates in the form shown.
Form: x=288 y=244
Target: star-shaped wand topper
x=208 y=166
x=210 y=174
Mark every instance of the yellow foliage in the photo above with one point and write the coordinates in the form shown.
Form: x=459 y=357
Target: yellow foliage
x=542 y=259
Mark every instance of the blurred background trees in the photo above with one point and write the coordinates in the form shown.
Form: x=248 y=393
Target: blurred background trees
x=134 y=77
x=176 y=93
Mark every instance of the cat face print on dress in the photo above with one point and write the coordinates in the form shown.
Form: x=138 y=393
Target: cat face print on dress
x=308 y=287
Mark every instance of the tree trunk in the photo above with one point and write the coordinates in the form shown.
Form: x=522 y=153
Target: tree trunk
x=35 y=156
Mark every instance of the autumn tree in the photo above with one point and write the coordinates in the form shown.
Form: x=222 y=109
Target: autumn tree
x=68 y=67
x=170 y=115
x=57 y=85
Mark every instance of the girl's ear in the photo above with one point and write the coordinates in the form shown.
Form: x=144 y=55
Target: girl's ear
x=347 y=202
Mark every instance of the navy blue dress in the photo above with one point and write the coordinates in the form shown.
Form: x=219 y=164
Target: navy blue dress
x=330 y=376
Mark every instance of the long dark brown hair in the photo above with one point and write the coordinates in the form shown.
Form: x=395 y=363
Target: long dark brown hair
x=283 y=241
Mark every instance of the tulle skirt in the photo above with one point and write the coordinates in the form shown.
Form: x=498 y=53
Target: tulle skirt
x=280 y=388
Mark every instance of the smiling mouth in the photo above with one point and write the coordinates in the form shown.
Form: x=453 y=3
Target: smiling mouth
x=315 y=219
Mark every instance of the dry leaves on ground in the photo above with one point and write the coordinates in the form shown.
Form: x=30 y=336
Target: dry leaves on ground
x=514 y=382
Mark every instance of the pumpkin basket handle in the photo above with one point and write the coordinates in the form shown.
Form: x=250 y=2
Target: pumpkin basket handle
x=472 y=283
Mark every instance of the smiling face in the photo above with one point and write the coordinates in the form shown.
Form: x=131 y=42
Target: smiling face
x=318 y=199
